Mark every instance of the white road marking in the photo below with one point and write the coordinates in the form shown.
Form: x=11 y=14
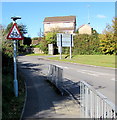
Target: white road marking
x=94 y=73
x=85 y=72
x=89 y=72
x=113 y=79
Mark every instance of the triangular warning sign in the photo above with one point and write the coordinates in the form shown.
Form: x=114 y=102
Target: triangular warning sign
x=14 y=33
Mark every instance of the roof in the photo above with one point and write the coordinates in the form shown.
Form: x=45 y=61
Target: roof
x=60 y=18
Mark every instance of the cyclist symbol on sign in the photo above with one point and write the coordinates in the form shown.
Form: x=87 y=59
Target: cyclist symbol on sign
x=15 y=33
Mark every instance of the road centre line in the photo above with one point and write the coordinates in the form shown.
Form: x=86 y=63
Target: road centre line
x=89 y=72
x=113 y=79
x=81 y=71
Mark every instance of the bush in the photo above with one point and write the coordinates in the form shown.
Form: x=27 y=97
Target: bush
x=108 y=43
x=86 y=44
x=11 y=106
x=43 y=46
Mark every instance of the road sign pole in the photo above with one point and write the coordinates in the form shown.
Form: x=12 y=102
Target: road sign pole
x=14 y=34
x=70 y=52
x=15 y=70
x=71 y=48
x=61 y=47
x=15 y=66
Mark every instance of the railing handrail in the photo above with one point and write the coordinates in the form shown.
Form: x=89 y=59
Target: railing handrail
x=87 y=95
x=113 y=106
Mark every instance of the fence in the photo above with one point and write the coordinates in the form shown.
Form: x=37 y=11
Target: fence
x=94 y=104
x=55 y=76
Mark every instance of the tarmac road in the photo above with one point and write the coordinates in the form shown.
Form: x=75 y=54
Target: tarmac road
x=42 y=100
x=101 y=78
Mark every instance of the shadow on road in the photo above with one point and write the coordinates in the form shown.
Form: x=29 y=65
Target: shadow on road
x=40 y=95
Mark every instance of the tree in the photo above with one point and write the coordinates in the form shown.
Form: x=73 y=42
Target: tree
x=86 y=44
x=21 y=27
x=7 y=45
x=108 y=39
x=43 y=45
x=51 y=38
x=27 y=41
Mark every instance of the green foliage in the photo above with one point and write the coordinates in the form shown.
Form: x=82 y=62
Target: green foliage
x=43 y=45
x=85 y=44
x=108 y=40
x=11 y=107
x=51 y=38
x=21 y=27
x=7 y=48
x=27 y=41
x=8 y=28
x=107 y=43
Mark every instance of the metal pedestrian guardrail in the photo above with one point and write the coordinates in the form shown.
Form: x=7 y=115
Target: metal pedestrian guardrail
x=92 y=103
x=55 y=76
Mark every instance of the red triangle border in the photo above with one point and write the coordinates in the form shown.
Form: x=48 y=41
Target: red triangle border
x=18 y=31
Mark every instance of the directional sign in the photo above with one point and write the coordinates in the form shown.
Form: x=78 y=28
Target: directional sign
x=14 y=33
x=64 y=40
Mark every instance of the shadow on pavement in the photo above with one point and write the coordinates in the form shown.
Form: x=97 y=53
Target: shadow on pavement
x=40 y=95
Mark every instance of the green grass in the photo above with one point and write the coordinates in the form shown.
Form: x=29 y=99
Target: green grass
x=97 y=60
x=12 y=106
x=33 y=54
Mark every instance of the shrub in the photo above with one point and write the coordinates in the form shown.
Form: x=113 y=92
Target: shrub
x=86 y=44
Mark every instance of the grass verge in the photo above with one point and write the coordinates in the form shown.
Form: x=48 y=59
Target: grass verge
x=97 y=60
x=33 y=54
x=12 y=106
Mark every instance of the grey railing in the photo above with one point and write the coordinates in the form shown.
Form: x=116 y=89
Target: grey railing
x=55 y=75
x=94 y=104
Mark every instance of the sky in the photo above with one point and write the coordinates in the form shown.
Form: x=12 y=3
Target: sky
x=33 y=13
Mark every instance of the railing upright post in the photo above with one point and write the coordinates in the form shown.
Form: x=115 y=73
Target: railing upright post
x=81 y=98
x=91 y=104
x=84 y=98
x=86 y=101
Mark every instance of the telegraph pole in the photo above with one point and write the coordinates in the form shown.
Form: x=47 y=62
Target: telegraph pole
x=88 y=14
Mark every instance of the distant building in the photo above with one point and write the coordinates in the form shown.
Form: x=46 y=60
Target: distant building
x=85 y=29
x=66 y=24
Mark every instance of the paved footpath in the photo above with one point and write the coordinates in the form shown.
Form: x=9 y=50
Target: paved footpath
x=42 y=100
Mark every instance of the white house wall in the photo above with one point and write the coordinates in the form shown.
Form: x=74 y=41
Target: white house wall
x=49 y=26
x=86 y=29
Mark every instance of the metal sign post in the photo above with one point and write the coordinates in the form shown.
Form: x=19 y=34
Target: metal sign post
x=15 y=35
x=61 y=47
x=15 y=70
x=64 y=40
x=71 y=46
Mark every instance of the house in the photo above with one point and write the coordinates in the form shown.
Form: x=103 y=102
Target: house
x=85 y=29
x=66 y=24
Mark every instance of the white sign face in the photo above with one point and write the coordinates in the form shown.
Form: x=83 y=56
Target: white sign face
x=14 y=33
x=59 y=42
x=64 y=40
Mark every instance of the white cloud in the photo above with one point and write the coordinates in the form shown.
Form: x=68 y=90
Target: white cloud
x=101 y=16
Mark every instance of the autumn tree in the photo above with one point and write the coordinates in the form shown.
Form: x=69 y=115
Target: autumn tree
x=108 y=39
